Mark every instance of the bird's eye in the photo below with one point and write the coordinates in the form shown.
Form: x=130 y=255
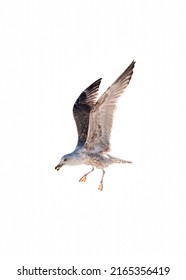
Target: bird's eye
x=65 y=159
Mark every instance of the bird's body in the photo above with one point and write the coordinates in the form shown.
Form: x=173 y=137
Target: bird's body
x=98 y=160
x=94 y=123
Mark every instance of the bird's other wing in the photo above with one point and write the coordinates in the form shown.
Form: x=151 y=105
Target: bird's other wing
x=101 y=116
x=82 y=108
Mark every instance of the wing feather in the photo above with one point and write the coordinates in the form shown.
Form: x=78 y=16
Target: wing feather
x=82 y=108
x=101 y=115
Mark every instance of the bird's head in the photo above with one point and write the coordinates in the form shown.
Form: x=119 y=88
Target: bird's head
x=69 y=159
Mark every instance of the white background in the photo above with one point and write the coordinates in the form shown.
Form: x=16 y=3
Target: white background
x=50 y=51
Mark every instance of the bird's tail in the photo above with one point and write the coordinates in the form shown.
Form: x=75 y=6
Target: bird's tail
x=118 y=160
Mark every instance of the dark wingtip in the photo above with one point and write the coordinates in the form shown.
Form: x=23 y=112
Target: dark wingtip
x=129 y=68
x=94 y=86
x=132 y=64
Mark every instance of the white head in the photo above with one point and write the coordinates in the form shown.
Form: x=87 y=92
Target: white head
x=69 y=159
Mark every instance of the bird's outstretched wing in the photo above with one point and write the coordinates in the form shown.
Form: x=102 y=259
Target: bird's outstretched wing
x=101 y=116
x=82 y=108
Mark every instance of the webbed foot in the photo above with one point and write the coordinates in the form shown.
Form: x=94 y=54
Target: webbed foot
x=100 y=188
x=83 y=179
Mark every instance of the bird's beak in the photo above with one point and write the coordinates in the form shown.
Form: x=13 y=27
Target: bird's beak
x=58 y=166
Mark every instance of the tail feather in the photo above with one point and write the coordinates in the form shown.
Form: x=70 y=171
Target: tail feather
x=125 y=161
x=118 y=160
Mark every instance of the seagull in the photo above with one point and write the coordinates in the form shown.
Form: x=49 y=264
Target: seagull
x=94 y=119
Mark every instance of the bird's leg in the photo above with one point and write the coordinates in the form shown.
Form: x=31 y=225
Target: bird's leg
x=101 y=182
x=83 y=179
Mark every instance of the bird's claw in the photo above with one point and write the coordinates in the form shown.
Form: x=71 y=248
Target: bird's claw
x=100 y=187
x=82 y=179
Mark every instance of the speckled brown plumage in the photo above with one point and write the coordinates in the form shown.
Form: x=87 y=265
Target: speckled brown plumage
x=94 y=121
x=82 y=108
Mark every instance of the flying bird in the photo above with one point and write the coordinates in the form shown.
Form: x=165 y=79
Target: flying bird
x=94 y=119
